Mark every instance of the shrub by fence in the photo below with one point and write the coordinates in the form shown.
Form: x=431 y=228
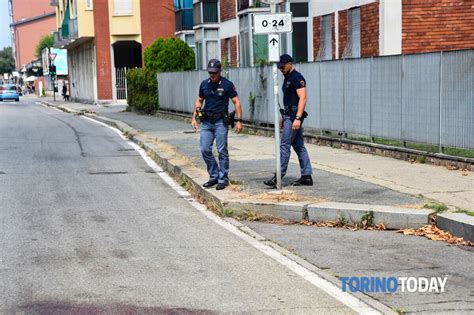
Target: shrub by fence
x=142 y=90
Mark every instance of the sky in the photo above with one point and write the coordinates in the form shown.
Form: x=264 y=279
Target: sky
x=5 y=39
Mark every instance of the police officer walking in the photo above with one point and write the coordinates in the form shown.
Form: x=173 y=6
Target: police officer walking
x=216 y=92
x=293 y=114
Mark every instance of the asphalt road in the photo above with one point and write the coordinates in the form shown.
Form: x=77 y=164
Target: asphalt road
x=86 y=226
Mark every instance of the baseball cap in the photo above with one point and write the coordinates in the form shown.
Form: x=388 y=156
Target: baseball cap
x=284 y=59
x=214 y=65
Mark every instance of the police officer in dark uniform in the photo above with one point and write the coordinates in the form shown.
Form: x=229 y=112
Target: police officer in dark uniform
x=214 y=115
x=293 y=114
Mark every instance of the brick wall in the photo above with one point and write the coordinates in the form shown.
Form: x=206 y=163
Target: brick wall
x=233 y=50
x=435 y=25
x=102 y=43
x=228 y=9
x=369 y=29
x=316 y=35
x=342 y=31
x=157 y=20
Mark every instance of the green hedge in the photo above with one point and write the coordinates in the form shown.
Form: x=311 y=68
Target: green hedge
x=142 y=90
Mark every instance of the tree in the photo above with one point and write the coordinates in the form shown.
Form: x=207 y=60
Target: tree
x=46 y=41
x=169 y=54
x=7 y=63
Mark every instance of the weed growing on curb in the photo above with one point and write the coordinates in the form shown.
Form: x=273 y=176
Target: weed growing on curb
x=460 y=210
x=367 y=219
x=227 y=212
x=437 y=207
x=341 y=220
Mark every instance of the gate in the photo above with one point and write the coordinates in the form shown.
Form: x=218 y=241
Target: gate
x=121 y=83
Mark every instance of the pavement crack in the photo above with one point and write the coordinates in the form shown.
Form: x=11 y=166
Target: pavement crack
x=76 y=133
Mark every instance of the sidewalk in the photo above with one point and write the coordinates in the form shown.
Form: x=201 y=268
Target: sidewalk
x=345 y=183
x=342 y=178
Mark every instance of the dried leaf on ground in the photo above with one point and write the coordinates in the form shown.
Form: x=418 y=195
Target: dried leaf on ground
x=432 y=232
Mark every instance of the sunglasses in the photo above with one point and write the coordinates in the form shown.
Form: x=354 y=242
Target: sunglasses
x=211 y=73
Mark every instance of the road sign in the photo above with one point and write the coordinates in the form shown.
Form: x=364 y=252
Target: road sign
x=273 y=47
x=52 y=56
x=272 y=23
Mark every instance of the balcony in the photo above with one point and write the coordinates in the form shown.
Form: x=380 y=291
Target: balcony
x=205 y=12
x=69 y=27
x=246 y=4
x=184 y=20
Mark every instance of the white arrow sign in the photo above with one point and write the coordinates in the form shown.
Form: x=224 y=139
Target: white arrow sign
x=273 y=47
x=272 y=23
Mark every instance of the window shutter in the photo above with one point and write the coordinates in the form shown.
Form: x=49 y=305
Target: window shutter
x=123 y=7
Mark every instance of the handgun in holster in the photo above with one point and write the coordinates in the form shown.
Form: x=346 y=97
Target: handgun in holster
x=232 y=119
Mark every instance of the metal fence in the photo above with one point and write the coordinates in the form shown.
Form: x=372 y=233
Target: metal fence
x=423 y=98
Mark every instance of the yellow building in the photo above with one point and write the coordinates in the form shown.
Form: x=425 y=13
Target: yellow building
x=106 y=37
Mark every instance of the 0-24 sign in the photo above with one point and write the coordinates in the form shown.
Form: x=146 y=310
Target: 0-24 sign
x=272 y=23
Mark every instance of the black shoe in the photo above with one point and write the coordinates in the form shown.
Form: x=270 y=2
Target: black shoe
x=272 y=182
x=209 y=183
x=305 y=180
x=221 y=186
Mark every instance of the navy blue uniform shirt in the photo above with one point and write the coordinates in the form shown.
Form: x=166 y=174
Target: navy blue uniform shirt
x=217 y=95
x=293 y=81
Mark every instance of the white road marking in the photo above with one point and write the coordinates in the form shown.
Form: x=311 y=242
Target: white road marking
x=322 y=284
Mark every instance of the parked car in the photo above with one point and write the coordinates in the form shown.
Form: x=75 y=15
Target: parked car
x=9 y=92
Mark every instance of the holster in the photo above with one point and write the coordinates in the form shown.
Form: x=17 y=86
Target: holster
x=231 y=119
x=287 y=111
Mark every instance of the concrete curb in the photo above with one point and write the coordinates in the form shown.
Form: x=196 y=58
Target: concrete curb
x=459 y=224
x=392 y=217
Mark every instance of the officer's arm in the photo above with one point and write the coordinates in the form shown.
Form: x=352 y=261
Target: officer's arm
x=302 y=101
x=238 y=107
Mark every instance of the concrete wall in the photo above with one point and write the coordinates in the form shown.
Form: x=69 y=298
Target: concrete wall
x=82 y=65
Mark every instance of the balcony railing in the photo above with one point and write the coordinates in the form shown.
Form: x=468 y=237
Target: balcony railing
x=73 y=28
x=54 y=3
x=184 y=20
x=245 y=4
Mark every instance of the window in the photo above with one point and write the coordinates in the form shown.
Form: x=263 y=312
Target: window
x=300 y=41
x=244 y=49
x=88 y=4
x=352 y=49
x=123 y=7
x=260 y=49
x=299 y=9
x=325 y=46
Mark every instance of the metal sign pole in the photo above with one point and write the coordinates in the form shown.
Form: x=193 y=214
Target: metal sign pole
x=277 y=115
x=273 y=24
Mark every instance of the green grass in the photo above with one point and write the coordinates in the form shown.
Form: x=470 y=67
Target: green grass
x=460 y=210
x=437 y=207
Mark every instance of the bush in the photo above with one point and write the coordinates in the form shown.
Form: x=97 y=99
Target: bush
x=142 y=90
x=169 y=54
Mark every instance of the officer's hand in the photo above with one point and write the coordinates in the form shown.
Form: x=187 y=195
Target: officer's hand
x=281 y=123
x=195 y=124
x=238 y=127
x=296 y=125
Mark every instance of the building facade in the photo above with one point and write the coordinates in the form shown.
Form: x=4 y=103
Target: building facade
x=104 y=38
x=326 y=30
x=30 y=20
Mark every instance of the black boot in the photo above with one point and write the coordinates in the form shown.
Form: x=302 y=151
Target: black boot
x=272 y=182
x=210 y=183
x=305 y=180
